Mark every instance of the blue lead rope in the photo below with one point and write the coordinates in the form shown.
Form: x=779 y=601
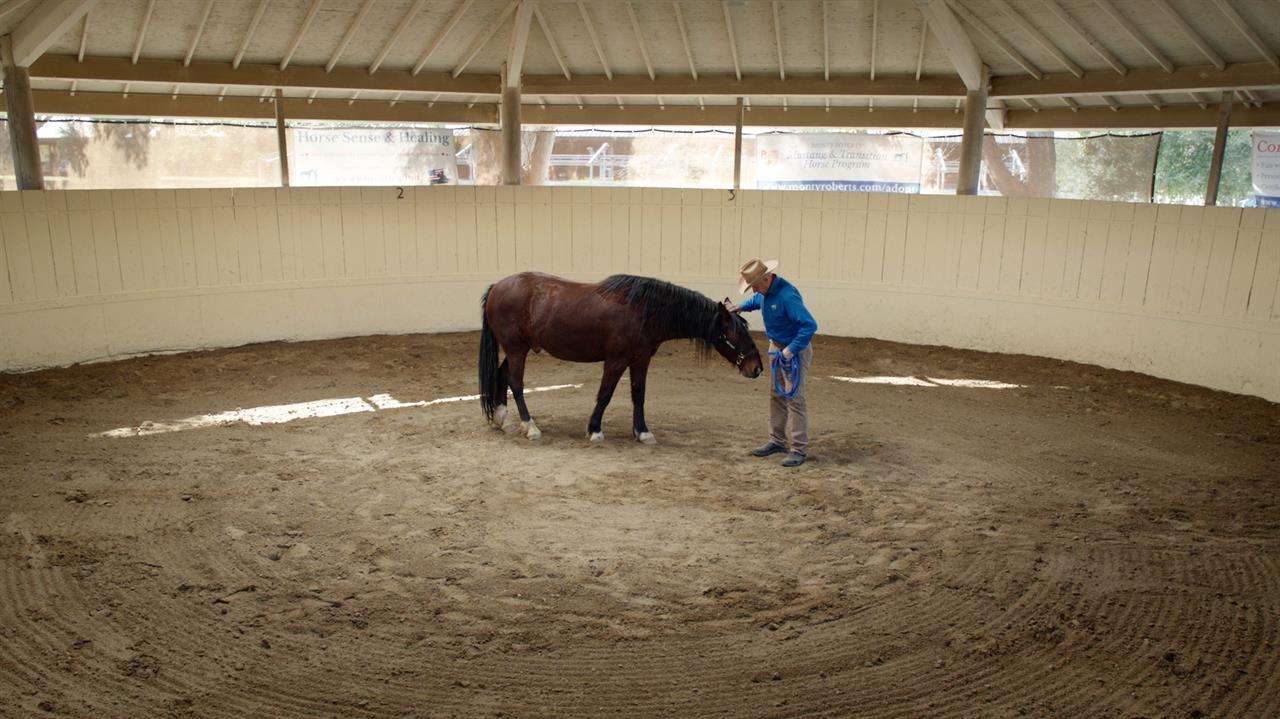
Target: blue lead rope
x=785 y=371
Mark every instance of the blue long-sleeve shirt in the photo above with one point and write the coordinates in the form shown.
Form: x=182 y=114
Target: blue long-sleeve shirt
x=786 y=320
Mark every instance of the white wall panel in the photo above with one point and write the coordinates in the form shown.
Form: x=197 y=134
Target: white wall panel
x=1182 y=292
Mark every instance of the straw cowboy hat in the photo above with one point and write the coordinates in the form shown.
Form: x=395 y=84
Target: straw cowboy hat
x=754 y=270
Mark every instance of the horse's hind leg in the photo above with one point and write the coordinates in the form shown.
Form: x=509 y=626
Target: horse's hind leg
x=515 y=378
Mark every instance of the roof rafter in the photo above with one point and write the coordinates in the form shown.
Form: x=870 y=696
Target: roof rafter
x=395 y=36
x=875 y=33
x=142 y=32
x=826 y=43
x=644 y=49
x=684 y=36
x=349 y=35
x=595 y=39
x=302 y=30
x=7 y=9
x=1191 y=34
x=1239 y=23
x=777 y=41
x=84 y=37
x=1039 y=37
x=1075 y=27
x=454 y=19
x=195 y=39
x=248 y=35
x=733 y=44
x=551 y=40
x=484 y=37
x=995 y=38
x=924 y=33
x=519 y=43
x=955 y=41
x=1135 y=33
x=220 y=74
x=41 y=28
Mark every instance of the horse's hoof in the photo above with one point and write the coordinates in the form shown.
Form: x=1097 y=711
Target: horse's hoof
x=596 y=436
x=500 y=417
x=531 y=430
x=646 y=438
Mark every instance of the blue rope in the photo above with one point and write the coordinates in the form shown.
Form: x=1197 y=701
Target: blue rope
x=785 y=369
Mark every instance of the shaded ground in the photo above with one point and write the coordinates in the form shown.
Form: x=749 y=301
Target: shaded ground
x=1093 y=544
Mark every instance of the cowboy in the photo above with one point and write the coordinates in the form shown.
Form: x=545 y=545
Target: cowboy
x=789 y=327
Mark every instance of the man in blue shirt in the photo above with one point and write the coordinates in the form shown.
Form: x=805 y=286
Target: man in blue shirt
x=789 y=327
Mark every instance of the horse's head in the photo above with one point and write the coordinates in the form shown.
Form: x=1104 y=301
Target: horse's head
x=733 y=342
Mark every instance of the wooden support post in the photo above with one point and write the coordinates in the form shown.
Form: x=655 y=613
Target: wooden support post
x=282 y=139
x=1219 y=151
x=510 y=117
x=22 y=120
x=975 y=106
x=737 y=149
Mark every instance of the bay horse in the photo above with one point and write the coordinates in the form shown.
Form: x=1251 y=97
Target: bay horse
x=620 y=321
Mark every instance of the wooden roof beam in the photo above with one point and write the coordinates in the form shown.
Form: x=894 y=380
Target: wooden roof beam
x=733 y=44
x=297 y=38
x=749 y=85
x=195 y=39
x=551 y=40
x=454 y=19
x=484 y=36
x=1142 y=116
x=595 y=39
x=954 y=40
x=644 y=49
x=248 y=36
x=413 y=11
x=519 y=43
x=1039 y=37
x=48 y=22
x=84 y=37
x=684 y=36
x=1136 y=34
x=299 y=77
x=1191 y=34
x=8 y=8
x=348 y=35
x=1075 y=27
x=826 y=43
x=996 y=39
x=1198 y=78
x=1245 y=29
x=142 y=32
x=777 y=41
x=875 y=33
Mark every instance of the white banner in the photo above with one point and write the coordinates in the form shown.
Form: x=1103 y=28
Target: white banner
x=1266 y=168
x=358 y=156
x=839 y=162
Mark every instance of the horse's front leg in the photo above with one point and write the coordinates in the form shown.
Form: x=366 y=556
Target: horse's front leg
x=613 y=370
x=639 y=371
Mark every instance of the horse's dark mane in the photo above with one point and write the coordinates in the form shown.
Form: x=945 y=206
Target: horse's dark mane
x=673 y=310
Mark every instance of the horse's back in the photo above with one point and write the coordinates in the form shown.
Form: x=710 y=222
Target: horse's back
x=571 y=320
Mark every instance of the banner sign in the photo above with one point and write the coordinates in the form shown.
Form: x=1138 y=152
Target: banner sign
x=1266 y=168
x=359 y=156
x=839 y=162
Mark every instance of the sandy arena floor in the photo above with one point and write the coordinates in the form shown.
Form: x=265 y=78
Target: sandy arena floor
x=1093 y=543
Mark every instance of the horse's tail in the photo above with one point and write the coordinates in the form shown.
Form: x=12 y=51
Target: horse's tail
x=490 y=375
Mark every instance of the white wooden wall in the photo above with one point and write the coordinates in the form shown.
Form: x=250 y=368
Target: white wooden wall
x=1183 y=292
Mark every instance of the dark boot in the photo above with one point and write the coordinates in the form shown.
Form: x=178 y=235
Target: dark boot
x=794 y=459
x=767 y=449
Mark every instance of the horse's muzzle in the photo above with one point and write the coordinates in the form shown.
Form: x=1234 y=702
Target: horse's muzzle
x=751 y=367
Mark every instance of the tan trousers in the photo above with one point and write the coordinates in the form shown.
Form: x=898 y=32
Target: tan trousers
x=781 y=409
